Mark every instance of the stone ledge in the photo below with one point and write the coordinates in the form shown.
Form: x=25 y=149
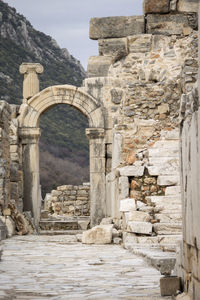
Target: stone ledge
x=116 y=27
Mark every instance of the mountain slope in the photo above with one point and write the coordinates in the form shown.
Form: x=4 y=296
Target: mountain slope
x=20 y=42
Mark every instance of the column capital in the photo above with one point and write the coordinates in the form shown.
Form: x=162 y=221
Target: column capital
x=95 y=133
x=29 y=135
x=31 y=67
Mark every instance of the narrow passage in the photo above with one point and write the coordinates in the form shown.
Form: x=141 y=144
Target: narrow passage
x=57 y=267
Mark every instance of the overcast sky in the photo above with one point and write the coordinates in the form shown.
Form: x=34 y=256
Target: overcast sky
x=67 y=21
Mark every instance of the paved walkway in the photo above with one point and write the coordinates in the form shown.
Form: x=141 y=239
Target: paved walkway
x=57 y=267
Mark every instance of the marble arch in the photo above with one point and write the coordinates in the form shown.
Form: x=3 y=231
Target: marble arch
x=30 y=112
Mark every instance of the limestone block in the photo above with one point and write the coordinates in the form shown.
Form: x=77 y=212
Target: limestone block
x=139 y=216
x=140 y=227
x=131 y=171
x=169 y=285
x=101 y=234
x=188 y=5
x=116 y=27
x=117 y=48
x=127 y=205
x=140 y=43
x=10 y=225
x=172 y=190
x=165 y=169
x=162 y=152
x=3 y=230
x=123 y=187
x=167 y=24
x=98 y=66
x=156 y=6
x=117 y=149
x=166 y=228
x=168 y=180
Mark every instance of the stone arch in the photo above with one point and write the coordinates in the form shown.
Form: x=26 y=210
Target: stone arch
x=29 y=117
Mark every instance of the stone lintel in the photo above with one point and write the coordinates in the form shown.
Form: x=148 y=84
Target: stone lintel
x=116 y=27
x=95 y=133
x=29 y=135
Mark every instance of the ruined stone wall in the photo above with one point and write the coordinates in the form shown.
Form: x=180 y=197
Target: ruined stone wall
x=69 y=200
x=5 y=117
x=145 y=63
x=188 y=261
x=11 y=177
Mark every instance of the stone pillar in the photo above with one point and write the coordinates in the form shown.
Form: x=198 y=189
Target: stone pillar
x=96 y=138
x=30 y=149
x=31 y=81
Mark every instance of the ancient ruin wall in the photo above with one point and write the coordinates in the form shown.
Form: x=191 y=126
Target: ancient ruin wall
x=69 y=201
x=188 y=260
x=145 y=63
x=5 y=117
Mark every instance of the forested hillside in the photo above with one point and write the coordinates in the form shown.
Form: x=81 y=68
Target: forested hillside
x=64 y=147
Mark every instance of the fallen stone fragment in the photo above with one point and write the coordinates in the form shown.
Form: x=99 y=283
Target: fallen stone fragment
x=169 y=285
x=100 y=234
x=10 y=225
x=140 y=227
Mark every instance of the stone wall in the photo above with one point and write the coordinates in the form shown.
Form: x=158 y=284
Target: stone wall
x=5 y=117
x=145 y=63
x=69 y=200
x=188 y=259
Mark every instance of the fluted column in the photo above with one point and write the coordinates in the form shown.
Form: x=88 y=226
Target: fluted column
x=31 y=84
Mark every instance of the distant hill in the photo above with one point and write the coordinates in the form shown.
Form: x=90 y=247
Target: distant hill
x=63 y=136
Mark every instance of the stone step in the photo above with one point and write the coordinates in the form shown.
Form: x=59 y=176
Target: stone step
x=65 y=223
x=169 y=217
x=59 y=225
x=161 y=241
x=60 y=232
x=167 y=228
x=162 y=261
x=164 y=200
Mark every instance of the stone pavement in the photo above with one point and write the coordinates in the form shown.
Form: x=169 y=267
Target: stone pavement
x=57 y=267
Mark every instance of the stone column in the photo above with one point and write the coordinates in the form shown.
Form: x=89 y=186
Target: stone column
x=96 y=138
x=31 y=81
x=31 y=195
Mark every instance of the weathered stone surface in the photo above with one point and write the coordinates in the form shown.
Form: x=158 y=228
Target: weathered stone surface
x=167 y=228
x=131 y=171
x=101 y=234
x=169 y=286
x=156 y=6
x=117 y=48
x=167 y=24
x=140 y=227
x=188 y=5
x=140 y=43
x=172 y=190
x=139 y=216
x=168 y=180
x=127 y=205
x=98 y=66
x=116 y=27
x=106 y=221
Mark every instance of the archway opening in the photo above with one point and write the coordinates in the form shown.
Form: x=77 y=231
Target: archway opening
x=64 y=152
